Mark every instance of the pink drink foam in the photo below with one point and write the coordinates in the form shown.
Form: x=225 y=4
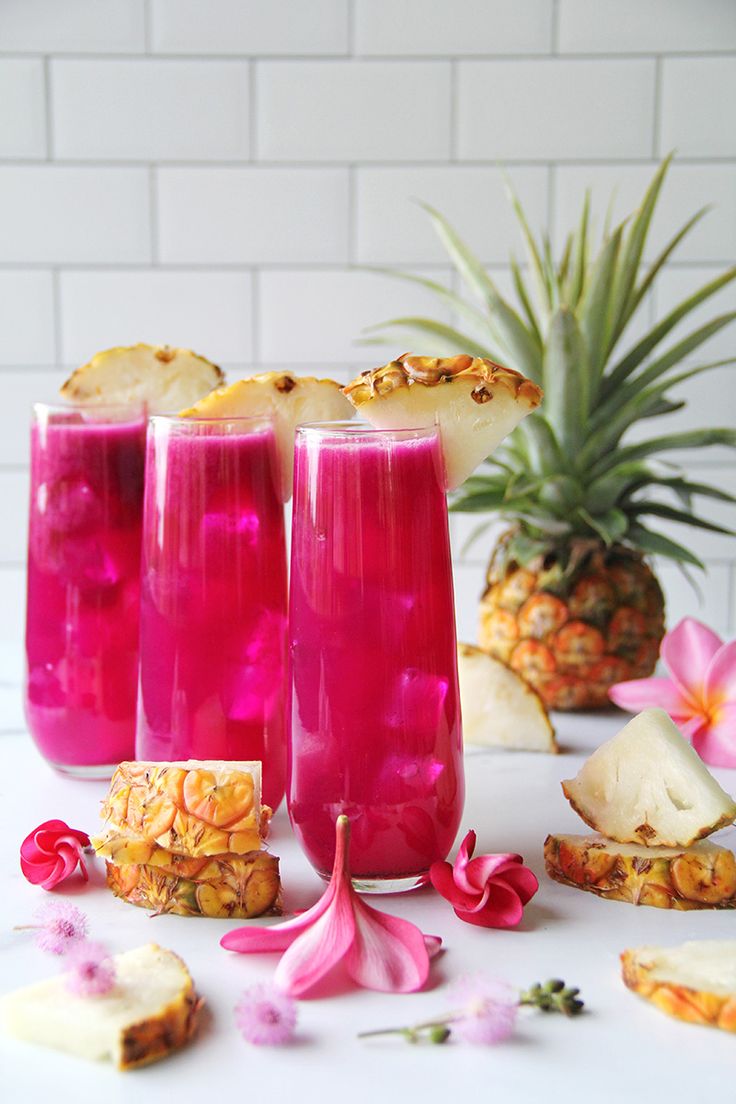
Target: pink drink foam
x=83 y=590
x=213 y=604
x=375 y=720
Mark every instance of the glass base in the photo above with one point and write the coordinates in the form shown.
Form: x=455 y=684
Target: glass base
x=391 y=885
x=96 y=772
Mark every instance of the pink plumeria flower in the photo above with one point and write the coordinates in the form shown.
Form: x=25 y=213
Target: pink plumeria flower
x=699 y=695
x=266 y=1016
x=487 y=1010
x=490 y=890
x=51 y=852
x=92 y=970
x=378 y=951
x=58 y=926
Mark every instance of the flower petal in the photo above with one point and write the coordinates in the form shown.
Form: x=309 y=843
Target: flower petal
x=687 y=650
x=442 y=877
x=720 y=678
x=433 y=943
x=319 y=948
x=716 y=743
x=280 y=936
x=638 y=694
x=503 y=909
x=489 y=866
x=523 y=881
x=388 y=953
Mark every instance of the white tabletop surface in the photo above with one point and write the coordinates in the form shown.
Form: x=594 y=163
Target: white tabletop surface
x=622 y=1049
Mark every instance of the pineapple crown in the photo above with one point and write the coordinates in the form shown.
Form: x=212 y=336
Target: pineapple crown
x=566 y=474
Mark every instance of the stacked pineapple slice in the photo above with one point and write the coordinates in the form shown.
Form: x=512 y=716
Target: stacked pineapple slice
x=187 y=837
x=652 y=801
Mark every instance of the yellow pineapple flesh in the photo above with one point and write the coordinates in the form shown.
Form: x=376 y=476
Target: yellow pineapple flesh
x=571 y=635
x=699 y=877
x=695 y=982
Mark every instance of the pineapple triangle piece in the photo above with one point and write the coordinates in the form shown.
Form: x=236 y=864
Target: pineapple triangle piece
x=475 y=402
x=695 y=982
x=151 y=1011
x=647 y=785
x=498 y=708
x=290 y=400
x=164 y=378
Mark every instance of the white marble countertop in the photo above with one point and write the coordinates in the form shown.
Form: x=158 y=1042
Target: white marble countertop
x=621 y=1049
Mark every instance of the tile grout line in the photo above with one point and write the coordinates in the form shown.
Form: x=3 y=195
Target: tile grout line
x=657 y=120
x=318 y=163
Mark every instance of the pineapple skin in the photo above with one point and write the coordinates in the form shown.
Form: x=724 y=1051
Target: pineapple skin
x=682 y=882
x=696 y=1006
x=236 y=887
x=572 y=635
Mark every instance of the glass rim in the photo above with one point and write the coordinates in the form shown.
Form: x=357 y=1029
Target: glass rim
x=137 y=406
x=236 y=419
x=348 y=428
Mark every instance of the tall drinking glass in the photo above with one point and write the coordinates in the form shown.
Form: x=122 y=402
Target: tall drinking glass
x=83 y=584
x=213 y=598
x=375 y=718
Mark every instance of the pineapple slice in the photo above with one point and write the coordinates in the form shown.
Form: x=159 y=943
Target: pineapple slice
x=152 y=1010
x=236 y=887
x=498 y=708
x=164 y=378
x=647 y=785
x=193 y=808
x=695 y=982
x=290 y=400
x=475 y=402
x=698 y=877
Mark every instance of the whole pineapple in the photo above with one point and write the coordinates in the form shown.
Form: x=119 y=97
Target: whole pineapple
x=571 y=603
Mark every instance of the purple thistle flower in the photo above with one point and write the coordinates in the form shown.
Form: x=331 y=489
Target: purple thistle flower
x=92 y=970
x=265 y=1016
x=59 y=926
x=487 y=1010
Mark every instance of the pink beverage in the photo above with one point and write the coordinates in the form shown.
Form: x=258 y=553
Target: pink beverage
x=213 y=600
x=375 y=717
x=84 y=584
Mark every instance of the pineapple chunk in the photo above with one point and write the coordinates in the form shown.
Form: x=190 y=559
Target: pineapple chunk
x=165 y=379
x=647 y=785
x=498 y=708
x=698 y=877
x=289 y=400
x=151 y=1011
x=475 y=402
x=695 y=982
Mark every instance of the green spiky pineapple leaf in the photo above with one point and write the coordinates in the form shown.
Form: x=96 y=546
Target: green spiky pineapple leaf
x=571 y=469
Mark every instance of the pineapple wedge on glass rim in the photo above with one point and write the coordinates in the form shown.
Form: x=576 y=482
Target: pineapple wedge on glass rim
x=498 y=708
x=475 y=402
x=285 y=397
x=570 y=601
x=162 y=377
x=648 y=785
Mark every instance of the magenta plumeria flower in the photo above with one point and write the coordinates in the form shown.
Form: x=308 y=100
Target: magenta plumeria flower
x=59 y=926
x=51 y=852
x=489 y=890
x=699 y=695
x=378 y=951
x=91 y=970
x=486 y=1010
x=266 y=1016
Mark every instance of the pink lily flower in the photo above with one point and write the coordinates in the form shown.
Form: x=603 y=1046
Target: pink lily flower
x=699 y=695
x=378 y=951
x=489 y=891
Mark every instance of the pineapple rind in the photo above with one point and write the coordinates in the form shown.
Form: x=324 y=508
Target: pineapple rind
x=236 y=886
x=652 y=973
x=699 y=877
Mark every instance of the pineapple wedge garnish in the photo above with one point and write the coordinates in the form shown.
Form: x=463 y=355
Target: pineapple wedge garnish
x=151 y=1011
x=699 y=877
x=290 y=400
x=647 y=785
x=695 y=982
x=475 y=402
x=498 y=708
x=193 y=808
x=165 y=379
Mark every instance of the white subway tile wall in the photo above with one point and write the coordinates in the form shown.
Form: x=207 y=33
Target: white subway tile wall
x=219 y=173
